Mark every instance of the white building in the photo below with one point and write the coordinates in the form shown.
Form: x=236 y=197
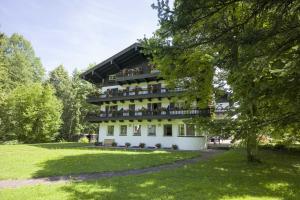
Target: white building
x=136 y=106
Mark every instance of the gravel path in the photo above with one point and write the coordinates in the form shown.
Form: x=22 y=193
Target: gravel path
x=205 y=155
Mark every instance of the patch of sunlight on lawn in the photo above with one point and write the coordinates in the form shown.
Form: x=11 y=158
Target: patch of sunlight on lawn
x=277 y=186
x=221 y=169
x=247 y=197
x=146 y=184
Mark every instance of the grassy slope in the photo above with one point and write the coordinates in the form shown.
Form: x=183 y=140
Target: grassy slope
x=227 y=176
x=26 y=161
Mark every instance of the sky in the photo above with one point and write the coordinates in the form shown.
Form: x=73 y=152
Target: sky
x=76 y=33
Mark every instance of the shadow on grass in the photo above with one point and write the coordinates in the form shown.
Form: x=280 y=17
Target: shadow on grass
x=228 y=176
x=104 y=161
x=69 y=145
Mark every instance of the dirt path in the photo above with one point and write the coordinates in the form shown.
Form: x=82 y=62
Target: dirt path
x=205 y=155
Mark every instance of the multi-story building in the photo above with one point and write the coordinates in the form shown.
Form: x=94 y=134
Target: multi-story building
x=135 y=105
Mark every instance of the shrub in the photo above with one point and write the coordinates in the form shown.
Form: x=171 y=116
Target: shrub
x=142 y=145
x=158 y=145
x=114 y=144
x=62 y=140
x=83 y=140
x=174 y=146
x=11 y=142
x=127 y=144
x=98 y=144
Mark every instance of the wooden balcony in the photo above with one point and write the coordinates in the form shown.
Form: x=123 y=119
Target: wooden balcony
x=137 y=94
x=147 y=115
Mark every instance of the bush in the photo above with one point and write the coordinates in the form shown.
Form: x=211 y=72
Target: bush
x=83 y=140
x=114 y=144
x=11 y=142
x=62 y=140
x=174 y=146
x=158 y=145
x=127 y=144
x=142 y=145
x=98 y=144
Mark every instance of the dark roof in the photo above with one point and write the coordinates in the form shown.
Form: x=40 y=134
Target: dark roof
x=114 y=64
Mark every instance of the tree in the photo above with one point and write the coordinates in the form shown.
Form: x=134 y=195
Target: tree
x=81 y=90
x=18 y=66
x=255 y=42
x=72 y=91
x=33 y=113
x=60 y=80
x=19 y=62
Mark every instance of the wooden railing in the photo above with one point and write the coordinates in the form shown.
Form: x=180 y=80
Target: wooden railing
x=148 y=114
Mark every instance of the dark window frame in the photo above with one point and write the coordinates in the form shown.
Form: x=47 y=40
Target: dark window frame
x=168 y=127
x=108 y=130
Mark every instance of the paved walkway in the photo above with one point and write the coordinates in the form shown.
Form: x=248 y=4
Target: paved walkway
x=205 y=155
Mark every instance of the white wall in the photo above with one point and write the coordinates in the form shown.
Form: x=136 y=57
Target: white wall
x=184 y=143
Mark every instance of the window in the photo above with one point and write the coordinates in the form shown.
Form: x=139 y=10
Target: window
x=137 y=129
x=181 y=129
x=110 y=130
x=190 y=130
x=112 y=77
x=168 y=130
x=123 y=130
x=151 y=130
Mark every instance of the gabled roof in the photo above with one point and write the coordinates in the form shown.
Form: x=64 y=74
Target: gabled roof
x=114 y=64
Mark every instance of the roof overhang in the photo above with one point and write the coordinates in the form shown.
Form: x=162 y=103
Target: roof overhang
x=114 y=64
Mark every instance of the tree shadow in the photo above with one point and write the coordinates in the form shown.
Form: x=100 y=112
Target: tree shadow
x=104 y=161
x=228 y=176
x=69 y=145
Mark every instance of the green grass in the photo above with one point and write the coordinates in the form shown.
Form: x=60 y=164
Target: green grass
x=41 y=160
x=227 y=176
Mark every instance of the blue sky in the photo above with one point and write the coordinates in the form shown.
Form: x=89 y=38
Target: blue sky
x=76 y=33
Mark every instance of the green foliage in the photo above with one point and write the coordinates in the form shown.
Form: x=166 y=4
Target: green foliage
x=255 y=44
x=83 y=140
x=32 y=113
x=19 y=65
x=11 y=142
x=72 y=91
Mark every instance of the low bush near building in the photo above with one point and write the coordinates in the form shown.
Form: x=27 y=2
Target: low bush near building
x=114 y=144
x=174 y=146
x=127 y=144
x=142 y=145
x=98 y=143
x=83 y=140
x=158 y=145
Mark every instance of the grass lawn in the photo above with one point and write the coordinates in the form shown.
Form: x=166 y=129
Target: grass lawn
x=227 y=176
x=40 y=160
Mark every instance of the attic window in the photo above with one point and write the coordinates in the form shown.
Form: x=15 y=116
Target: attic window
x=112 y=77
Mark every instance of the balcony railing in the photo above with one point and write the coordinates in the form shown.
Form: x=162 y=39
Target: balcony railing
x=137 y=75
x=137 y=93
x=147 y=114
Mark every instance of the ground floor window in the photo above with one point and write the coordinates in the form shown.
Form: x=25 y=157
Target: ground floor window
x=123 y=130
x=181 y=129
x=137 y=130
x=168 y=130
x=110 y=130
x=151 y=130
x=190 y=130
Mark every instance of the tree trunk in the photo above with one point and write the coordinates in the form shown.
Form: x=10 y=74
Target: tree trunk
x=251 y=146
